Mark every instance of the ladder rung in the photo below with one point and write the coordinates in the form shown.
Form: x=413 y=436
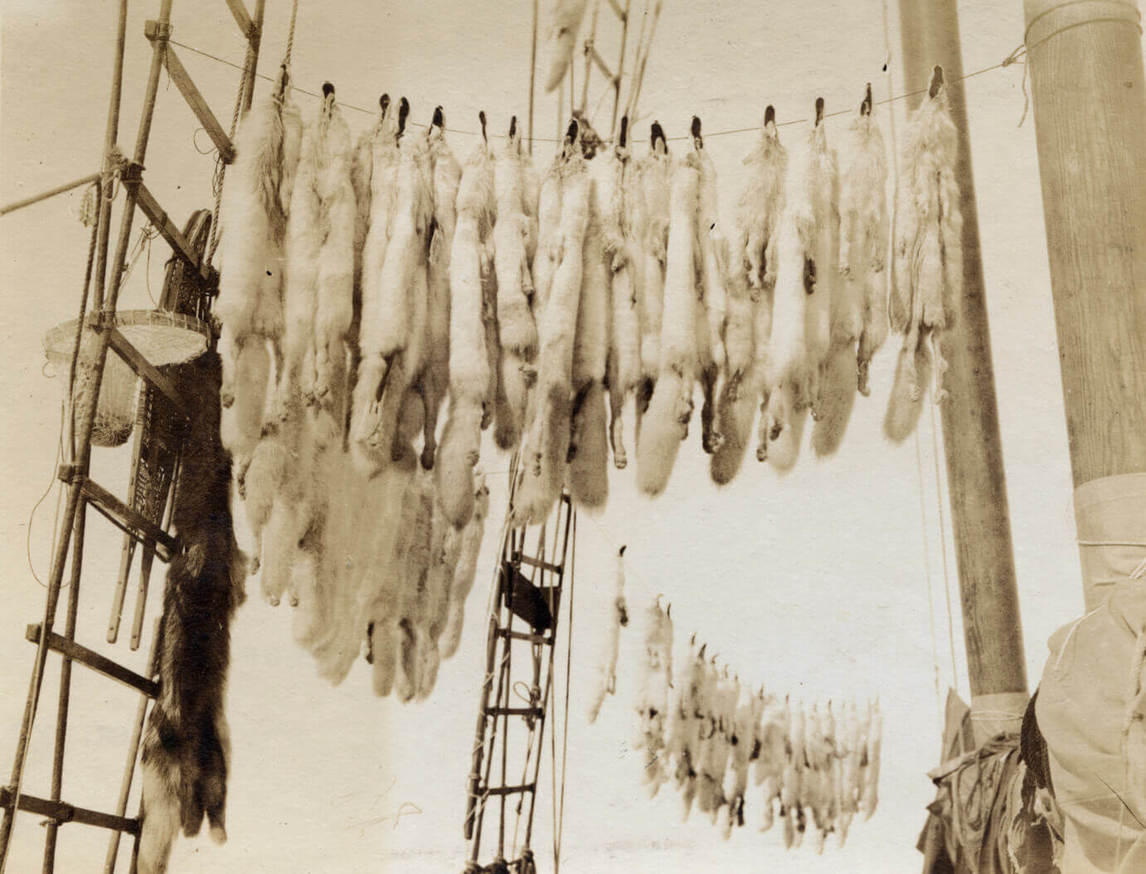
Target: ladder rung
x=194 y=98
x=242 y=18
x=538 y=563
x=63 y=812
x=145 y=369
x=617 y=8
x=508 y=790
x=167 y=229
x=522 y=635
x=536 y=712
x=130 y=521
x=89 y=658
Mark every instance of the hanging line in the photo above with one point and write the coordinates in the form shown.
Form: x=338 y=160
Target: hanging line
x=373 y=112
x=940 y=493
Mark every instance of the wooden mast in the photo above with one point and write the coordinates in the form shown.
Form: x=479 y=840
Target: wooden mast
x=1085 y=66
x=978 y=494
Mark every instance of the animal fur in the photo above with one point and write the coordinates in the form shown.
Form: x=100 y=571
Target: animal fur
x=822 y=181
x=548 y=252
x=546 y=443
x=652 y=695
x=740 y=392
x=469 y=359
x=606 y=681
x=864 y=230
x=517 y=330
x=395 y=315
x=567 y=15
x=712 y=302
x=588 y=450
x=186 y=745
x=652 y=226
x=759 y=209
x=869 y=796
x=465 y=568
x=665 y=425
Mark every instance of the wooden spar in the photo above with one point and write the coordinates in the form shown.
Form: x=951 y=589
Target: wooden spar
x=1086 y=71
x=978 y=494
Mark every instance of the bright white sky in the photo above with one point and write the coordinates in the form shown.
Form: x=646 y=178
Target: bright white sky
x=815 y=584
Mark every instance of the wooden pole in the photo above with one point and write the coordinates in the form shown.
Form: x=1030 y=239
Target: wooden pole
x=1086 y=72
x=978 y=494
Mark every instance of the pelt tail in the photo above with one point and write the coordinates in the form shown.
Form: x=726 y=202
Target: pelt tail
x=457 y=455
x=589 y=467
x=838 y=387
x=912 y=375
x=663 y=428
x=785 y=439
x=161 y=814
x=736 y=411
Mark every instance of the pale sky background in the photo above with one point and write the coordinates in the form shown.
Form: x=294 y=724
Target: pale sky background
x=815 y=584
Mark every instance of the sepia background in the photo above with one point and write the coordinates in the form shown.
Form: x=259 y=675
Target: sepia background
x=834 y=581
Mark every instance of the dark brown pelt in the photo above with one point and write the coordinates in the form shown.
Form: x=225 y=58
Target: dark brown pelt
x=186 y=747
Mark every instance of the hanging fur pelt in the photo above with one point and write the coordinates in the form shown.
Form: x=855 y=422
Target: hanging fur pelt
x=589 y=442
x=740 y=393
x=548 y=254
x=517 y=329
x=770 y=764
x=665 y=424
x=651 y=210
x=746 y=718
x=652 y=695
x=546 y=443
x=710 y=795
x=320 y=276
x=869 y=795
x=712 y=297
x=606 y=682
x=859 y=308
x=186 y=746
x=470 y=373
x=567 y=15
x=928 y=276
x=395 y=316
x=623 y=368
x=465 y=568
x=412 y=594
x=250 y=306
x=683 y=725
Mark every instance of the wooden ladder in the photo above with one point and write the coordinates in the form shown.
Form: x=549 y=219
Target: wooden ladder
x=529 y=586
x=144 y=517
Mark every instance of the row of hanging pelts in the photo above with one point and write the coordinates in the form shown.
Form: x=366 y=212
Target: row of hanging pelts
x=715 y=733
x=377 y=279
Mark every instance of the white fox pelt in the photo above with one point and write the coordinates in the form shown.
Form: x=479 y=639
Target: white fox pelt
x=685 y=723
x=869 y=795
x=462 y=580
x=665 y=424
x=651 y=209
x=743 y=749
x=928 y=272
x=546 y=443
x=566 y=21
x=710 y=795
x=712 y=299
x=623 y=368
x=606 y=679
x=320 y=275
x=743 y=382
x=517 y=329
x=864 y=232
x=588 y=448
x=250 y=305
x=548 y=253
x=823 y=191
x=394 y=315
x=470 y=373
x=759 y=209
x=652 y=696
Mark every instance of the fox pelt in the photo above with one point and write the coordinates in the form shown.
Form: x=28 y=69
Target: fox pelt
x=186 y=745
x=319 y=300
x=927 y=281
x=462 y=580
x=651 y=225
x=470 y=372
x=517 y=328
x=589 y=447
x=759 y=208
x=665 y=424
x=606 y=680
x=566 y=21
x=395 y=317
x=712 y=299
x=250 y=305
x=545 y=446
x=652 y=695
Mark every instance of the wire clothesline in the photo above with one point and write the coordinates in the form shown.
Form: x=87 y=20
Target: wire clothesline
x=1012 y=58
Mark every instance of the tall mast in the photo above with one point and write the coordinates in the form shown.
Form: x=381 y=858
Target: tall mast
x=1085 y=66
x=991 y=628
